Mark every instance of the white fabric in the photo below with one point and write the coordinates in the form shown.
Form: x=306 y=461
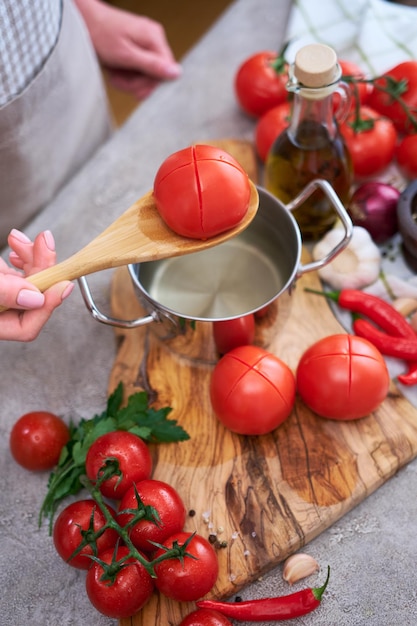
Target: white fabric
x=375 y=34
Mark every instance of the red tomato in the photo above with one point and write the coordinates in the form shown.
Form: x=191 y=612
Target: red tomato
x=229 y=334
x=269 y=126
x=260 y=82
x=192 y=578
x=361 y=91
x=342 y=377
x=406 y=155
x=261 y=313
x=36 y=440
x=371 y=150
x=205 y=617
x=129 y=450
x=168 y=505
x=252 y=391
x=129 y=592
x=404 y=74
x=78 y=521
x=201 y=191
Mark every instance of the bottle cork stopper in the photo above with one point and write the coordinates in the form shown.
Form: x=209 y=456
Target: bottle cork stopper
x=316 y=65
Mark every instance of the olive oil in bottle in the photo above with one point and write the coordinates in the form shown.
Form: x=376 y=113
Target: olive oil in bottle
x=311 y=147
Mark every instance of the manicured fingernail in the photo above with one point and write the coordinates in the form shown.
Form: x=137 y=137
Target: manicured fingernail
x=173 y=70
x=30 y=299
x=17 y=234
x=49 y=240
x=68 y=289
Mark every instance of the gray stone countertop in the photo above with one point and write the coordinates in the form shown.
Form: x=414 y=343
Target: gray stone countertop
x=371 y=550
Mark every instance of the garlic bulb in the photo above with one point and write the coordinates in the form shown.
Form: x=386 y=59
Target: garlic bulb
x=299 y=566
x=357 y=266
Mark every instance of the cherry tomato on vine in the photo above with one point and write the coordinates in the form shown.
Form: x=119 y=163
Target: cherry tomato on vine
x=406 y=155
x=167 y=503
x=403 y=79
x=79 y=520
x=342 y=377
x=229 y=334
x=127 y=594
x=260 y=82
x=192 y=578
x=36 y=440
x=252 y=391
x=371 y=149
x=205 y=617
x=201 y=191
x=269 y=126
x=361 y=91
x=132 y=454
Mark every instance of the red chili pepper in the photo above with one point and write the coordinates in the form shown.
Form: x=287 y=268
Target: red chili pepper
x=410 y=377
x=399 y=347
x=383 y=314
x=271 y=609
x=378 y=310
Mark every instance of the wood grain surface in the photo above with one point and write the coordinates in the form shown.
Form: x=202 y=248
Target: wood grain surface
x=267 y=496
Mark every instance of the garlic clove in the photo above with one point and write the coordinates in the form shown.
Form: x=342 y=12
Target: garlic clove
x=355 y=267
x=299 y=566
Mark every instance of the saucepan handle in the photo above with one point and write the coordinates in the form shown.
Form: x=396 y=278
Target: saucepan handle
x=106 y=319
x=334 y=199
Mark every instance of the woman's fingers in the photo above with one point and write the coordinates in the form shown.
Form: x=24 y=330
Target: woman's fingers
x=25 y=325
x=31 y=257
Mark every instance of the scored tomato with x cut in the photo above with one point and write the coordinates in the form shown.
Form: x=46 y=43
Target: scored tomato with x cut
x=201 y=191
x=342 y=377
x=252 y=391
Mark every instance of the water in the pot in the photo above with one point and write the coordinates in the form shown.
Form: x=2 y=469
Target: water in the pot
x=221 y=282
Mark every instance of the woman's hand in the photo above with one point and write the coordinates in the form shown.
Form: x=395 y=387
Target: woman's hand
x=28 y=308
x=133 y=49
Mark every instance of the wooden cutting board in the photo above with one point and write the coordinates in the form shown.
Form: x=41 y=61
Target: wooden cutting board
x=267 y=496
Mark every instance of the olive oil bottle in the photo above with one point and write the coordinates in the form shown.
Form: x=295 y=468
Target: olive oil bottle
x=312 y=146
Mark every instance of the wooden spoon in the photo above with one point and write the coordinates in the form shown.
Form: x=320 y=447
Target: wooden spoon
x=137 y=236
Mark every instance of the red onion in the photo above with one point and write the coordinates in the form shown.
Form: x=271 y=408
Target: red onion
x=374 y=207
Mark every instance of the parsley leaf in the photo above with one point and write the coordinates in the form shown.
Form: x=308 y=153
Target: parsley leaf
x=137 y=417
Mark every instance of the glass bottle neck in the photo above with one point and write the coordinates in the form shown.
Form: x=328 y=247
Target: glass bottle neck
x=312 y=120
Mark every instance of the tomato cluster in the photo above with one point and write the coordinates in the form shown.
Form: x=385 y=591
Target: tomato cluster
x=383 y=119
x=150 y=514
x=128 y=548
x=380 y=129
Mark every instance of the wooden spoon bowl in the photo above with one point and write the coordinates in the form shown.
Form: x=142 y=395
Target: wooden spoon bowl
x=137 y=236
